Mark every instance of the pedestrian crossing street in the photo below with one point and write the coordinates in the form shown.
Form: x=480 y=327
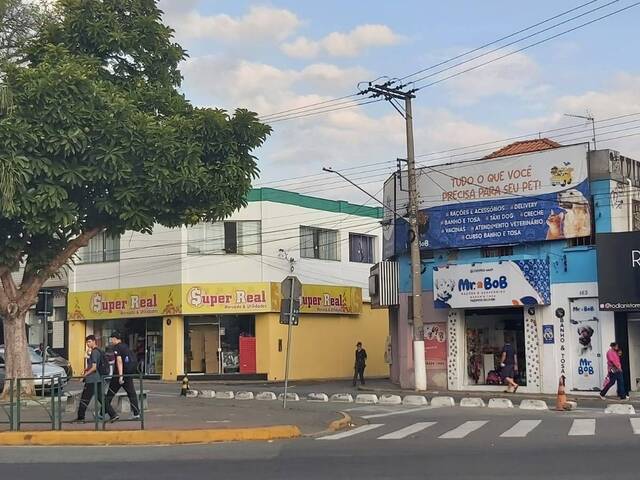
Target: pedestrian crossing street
x=580 y=427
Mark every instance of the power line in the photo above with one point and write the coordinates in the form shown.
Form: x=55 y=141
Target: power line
x=325 y=102
x=477 y=49
x=303 y=115
x=564 y=32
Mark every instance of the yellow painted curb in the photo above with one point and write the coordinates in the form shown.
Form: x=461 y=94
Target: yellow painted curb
x=341 y=423
x=148 y=437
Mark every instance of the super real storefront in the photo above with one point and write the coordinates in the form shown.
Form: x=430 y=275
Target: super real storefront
x=229 y=329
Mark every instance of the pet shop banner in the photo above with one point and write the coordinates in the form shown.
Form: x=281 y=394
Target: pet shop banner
x=507 y=283
x=585 y=343
x=515 y=199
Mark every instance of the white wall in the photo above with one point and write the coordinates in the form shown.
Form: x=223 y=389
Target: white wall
x=561 y=296
x=162 y=258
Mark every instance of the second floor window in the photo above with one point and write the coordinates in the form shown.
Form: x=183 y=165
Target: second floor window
x=361 y=248
x=242 y=238
x=101 y=248
x=319 y=243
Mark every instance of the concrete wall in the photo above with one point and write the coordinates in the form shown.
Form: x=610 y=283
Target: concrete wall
x=323 y=345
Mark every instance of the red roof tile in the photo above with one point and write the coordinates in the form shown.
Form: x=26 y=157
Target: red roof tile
x=525 y=146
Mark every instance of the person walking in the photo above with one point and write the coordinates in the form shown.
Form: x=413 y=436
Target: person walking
x=96 y=362
x=509 y=366
x=360 y=364
x=125 y=366
x=614 y=375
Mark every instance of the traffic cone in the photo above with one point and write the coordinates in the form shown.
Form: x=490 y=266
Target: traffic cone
x=185 y=386
x=561 y=398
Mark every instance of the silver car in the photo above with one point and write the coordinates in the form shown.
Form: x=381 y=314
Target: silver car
x=50 y=372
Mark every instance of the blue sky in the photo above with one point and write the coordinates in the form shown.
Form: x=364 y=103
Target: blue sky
x=272 y=56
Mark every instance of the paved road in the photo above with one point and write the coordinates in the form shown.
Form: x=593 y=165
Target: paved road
x=398 y=443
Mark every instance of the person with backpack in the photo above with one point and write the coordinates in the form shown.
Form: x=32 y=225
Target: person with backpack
x=125 y=366
x=97 y=368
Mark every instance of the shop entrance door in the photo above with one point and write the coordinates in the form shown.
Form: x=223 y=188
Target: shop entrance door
x=204 y=343
x=585 y=341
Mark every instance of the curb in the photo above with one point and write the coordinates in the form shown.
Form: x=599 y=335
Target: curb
x=341 y=423
x=149 y=437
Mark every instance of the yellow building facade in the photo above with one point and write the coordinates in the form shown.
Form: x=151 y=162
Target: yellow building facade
x=232 y=330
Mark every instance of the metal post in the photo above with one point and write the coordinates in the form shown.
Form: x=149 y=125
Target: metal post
x=419 y=368
x=18 y=388
x=286 y=368
x=141 y=403
x=53 y=403
x=11 y=406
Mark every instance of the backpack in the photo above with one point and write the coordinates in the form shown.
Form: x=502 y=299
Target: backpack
x=493 y=378
x=103 y=364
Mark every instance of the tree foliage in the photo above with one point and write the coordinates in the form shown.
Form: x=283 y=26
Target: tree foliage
x=99 y=138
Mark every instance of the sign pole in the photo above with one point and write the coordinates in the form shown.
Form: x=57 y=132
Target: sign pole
x=286 y=368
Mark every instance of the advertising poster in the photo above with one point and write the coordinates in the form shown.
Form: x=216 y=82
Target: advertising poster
x=586 y=357
x=515 y=199
x=507 y=283
x=435 y=346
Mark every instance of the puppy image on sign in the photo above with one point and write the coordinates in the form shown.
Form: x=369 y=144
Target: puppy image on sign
x=577 y=216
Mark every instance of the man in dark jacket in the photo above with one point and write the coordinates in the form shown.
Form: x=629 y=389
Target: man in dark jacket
x=360 y=365
x=124 y=368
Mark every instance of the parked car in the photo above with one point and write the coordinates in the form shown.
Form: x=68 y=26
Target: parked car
x=50 y=372
x=55 y=359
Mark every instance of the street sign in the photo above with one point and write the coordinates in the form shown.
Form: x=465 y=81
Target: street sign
x=287 y=311
x=45 y=302
x=291 y=287
x=548 y=334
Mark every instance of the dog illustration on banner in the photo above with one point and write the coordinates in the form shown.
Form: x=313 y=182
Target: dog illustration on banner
x=573 y=219
x=444 y=288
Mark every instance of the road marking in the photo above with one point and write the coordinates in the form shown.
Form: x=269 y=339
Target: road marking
x=405 y=432
x=635 y=425
x=398 y=412
x=583 y=427
x=521 y=429
x=465 y=429
x=349 y=433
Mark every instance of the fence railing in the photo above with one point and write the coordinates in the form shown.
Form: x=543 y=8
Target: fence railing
x=56 y=405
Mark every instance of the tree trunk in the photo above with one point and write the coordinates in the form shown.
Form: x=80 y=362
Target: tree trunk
x=16 y=354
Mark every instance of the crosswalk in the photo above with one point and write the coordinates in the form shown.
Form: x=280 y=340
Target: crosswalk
x=580 y=427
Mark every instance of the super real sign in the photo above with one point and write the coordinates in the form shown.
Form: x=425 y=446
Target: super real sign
x=520 y=198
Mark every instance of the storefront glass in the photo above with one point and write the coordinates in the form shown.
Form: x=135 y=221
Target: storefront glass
x=487 y=331
x=143 y=335
x=217 y=344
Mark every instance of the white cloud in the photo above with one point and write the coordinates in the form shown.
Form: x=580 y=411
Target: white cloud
x=260 y=23
x=620 y=97
x=339 y=44
x=516 y=75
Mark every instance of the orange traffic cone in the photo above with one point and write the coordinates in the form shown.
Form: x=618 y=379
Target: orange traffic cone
x=561 y=398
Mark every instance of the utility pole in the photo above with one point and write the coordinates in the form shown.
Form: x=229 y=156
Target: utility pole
x=393 y=95
x=589 y=118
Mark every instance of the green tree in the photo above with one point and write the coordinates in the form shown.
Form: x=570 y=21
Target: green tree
x=99 y=139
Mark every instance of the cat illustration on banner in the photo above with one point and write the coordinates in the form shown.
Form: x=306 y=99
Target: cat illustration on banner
x=573 y=219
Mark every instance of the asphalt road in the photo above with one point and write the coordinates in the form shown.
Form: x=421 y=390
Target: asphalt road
x=390 y=443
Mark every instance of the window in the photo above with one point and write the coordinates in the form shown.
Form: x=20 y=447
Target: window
x=319 y=243
x=361 y=248
x=492 y=252
x=242 y=238
x=101 y=248
x=635 y=205
x=581 y=241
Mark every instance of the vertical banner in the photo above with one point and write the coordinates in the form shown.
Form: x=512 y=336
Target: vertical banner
x=435 y=346
x=585 y=344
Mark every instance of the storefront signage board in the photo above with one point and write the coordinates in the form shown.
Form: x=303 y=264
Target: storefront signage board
x=585 y=342
x=204 y=299
x=619 y=271
x=331 y=299
x=507 y=283
x=520 y=198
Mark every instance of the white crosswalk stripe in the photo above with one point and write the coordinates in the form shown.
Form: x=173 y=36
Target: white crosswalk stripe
x=583 y=427
x=406 y=431
x=521 y=429
x=635 y=425
x=350 y=433
x=465 y=429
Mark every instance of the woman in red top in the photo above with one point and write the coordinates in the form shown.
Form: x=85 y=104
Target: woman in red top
x=614 y=367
